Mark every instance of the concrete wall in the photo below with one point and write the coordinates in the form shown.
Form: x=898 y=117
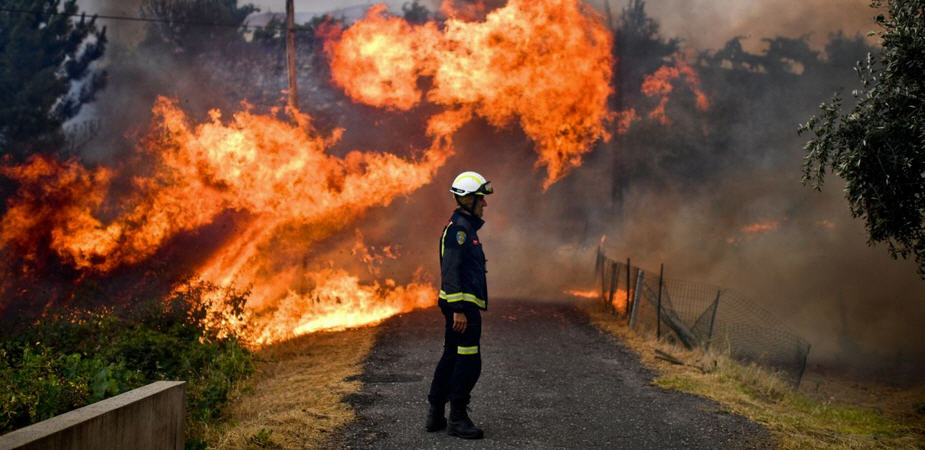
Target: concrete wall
x=147 y=418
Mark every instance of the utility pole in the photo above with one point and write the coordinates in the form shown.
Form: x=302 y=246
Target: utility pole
x=290 y=54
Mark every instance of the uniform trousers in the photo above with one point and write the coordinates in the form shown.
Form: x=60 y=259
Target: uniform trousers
x=461 y=362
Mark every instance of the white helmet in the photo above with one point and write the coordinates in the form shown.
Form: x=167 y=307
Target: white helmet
x=471 y=183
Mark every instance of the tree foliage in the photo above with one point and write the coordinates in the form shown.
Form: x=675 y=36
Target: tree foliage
x=192 y=27
x=45 y=73
x=878 y=148
x=306 y=34
x=415 y=12
x=639 y=47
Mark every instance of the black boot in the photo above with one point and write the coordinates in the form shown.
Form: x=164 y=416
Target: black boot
x=461 y=426
x=435 y=418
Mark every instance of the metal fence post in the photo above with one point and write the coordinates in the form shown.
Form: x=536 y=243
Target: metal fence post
x=639 y=280
x=603 y=270
x=658 y=314
x=598 y=261
x=742 y=341
x=803 y=366
x=629 y=281
x=713 y=318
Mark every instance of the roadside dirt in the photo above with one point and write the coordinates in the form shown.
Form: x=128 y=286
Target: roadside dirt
x=295 y=398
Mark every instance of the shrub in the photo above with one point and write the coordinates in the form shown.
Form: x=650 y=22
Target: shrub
x=80 y=356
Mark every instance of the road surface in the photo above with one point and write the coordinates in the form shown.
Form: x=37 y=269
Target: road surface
x=549 y=380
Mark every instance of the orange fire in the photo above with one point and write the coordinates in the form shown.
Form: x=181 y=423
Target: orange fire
x=619 y=300
x=659 y=84
x=275 y=176
x=761 y=227
x=619 y=297
x=61 y=195
x=754 y=229
x=591 y=293
x=338 y=301
x=546 y=64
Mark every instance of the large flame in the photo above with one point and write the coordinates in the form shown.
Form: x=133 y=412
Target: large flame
x=544 y=63
x=339 y=300
x=274 y=174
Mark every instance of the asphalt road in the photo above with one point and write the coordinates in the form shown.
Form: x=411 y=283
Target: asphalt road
x=549 y=380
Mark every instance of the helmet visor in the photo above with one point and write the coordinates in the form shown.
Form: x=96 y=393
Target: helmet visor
x=485 y=189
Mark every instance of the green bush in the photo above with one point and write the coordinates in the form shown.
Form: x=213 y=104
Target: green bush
x=81 y=356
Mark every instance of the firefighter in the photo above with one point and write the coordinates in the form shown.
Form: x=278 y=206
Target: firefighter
x=463 y=295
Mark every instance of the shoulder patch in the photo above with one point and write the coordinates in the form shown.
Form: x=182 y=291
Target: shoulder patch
x=460 y=237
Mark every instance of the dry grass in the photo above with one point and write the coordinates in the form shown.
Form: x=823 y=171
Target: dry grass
x=796 y=419
x=295 y=398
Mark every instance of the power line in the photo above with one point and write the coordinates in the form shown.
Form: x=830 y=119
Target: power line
x=146 y=19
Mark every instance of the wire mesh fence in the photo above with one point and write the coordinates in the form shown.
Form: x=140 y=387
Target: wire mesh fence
x=700 y=315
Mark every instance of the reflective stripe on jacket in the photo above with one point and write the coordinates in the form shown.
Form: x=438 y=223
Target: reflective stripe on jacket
x=462 y=263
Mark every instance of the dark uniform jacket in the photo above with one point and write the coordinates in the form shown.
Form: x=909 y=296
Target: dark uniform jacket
x=462 y=264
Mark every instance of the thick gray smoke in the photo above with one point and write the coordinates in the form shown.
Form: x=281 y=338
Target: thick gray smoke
x=120 y=32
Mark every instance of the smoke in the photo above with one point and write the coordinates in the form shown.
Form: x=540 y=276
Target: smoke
x=793 y=251
x=687 y=20
x=136 y=77
x=120 y=32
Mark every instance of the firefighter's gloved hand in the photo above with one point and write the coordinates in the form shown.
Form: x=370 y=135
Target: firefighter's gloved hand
x=459 y=322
